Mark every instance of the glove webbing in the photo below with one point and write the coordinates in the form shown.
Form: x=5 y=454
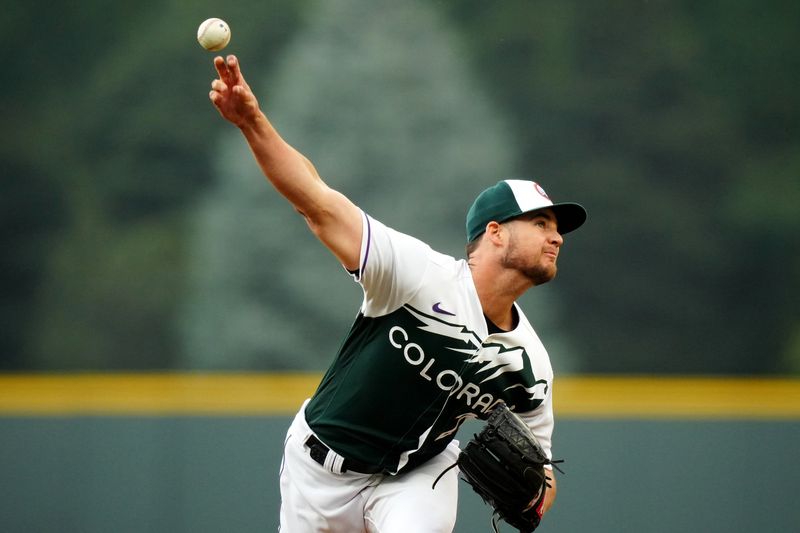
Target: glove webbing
x=552 y=462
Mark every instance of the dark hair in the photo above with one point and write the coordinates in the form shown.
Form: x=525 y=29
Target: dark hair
x=473 y=244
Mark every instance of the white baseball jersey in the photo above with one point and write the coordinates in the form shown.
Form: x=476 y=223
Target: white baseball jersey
x=419 y=360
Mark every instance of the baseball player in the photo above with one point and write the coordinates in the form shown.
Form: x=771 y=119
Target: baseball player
x=436 y=341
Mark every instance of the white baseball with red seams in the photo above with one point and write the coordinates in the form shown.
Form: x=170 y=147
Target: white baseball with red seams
x=214 y=34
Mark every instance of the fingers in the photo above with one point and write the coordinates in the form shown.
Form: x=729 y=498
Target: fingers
x=230 y=78
x=229 y=93
x=233 y=69
x=228 y=70
x=220 y=93
x=221 y=67
x=219 y=86
x=218 y=89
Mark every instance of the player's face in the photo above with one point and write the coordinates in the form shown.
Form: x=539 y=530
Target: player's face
x=533 y=247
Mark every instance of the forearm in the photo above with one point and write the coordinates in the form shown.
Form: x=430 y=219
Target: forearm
x=289 y=171
x=550 y=492
x=331 y=216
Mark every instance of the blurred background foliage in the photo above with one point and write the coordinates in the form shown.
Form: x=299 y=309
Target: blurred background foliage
x=138 y=234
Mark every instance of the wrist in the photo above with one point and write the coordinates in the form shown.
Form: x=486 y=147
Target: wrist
x=254 y=124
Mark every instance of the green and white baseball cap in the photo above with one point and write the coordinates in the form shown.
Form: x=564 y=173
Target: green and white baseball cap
x=510 y=198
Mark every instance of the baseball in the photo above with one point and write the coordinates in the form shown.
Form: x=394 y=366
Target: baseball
x=214 y=34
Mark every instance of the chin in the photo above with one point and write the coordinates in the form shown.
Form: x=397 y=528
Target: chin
x=541 y=275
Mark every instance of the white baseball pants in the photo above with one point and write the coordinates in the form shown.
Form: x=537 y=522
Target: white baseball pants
x=315 y=499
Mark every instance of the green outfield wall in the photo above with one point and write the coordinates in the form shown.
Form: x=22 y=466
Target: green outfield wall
x=198 y=466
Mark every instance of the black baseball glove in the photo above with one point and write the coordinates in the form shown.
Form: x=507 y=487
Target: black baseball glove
x=504 y=464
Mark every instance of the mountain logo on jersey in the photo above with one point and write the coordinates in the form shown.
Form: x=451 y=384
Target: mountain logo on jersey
x=510 y=367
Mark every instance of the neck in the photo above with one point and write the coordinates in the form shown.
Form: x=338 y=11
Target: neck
x=497 y=292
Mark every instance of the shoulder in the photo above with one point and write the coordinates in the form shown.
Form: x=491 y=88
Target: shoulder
x=382 y=239
x=396 y=268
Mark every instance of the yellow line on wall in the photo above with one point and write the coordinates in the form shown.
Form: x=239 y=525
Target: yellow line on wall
x=281 y=394
x=155 y=394
x=683 y=397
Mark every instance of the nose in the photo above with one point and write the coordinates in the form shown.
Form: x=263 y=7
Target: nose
x=556 y=238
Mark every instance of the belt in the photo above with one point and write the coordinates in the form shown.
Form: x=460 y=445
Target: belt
x=319 y=452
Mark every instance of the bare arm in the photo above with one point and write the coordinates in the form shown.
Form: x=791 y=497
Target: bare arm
x=334 y=219
x=550 y=493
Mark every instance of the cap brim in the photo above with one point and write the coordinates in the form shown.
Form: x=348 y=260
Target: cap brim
x=569 y=215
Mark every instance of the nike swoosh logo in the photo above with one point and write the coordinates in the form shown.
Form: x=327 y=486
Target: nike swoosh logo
x=437 y=307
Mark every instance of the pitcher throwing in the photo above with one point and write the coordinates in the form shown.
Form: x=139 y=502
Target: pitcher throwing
x=436 y=341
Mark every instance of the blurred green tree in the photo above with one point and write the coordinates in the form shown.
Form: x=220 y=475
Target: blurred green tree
x=118 y=132
x=403 y=130
x=676 y=123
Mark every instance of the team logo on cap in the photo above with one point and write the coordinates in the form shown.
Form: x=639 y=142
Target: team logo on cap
x=540 y=190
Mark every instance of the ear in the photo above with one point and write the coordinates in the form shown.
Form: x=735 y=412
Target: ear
x=495 y=233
